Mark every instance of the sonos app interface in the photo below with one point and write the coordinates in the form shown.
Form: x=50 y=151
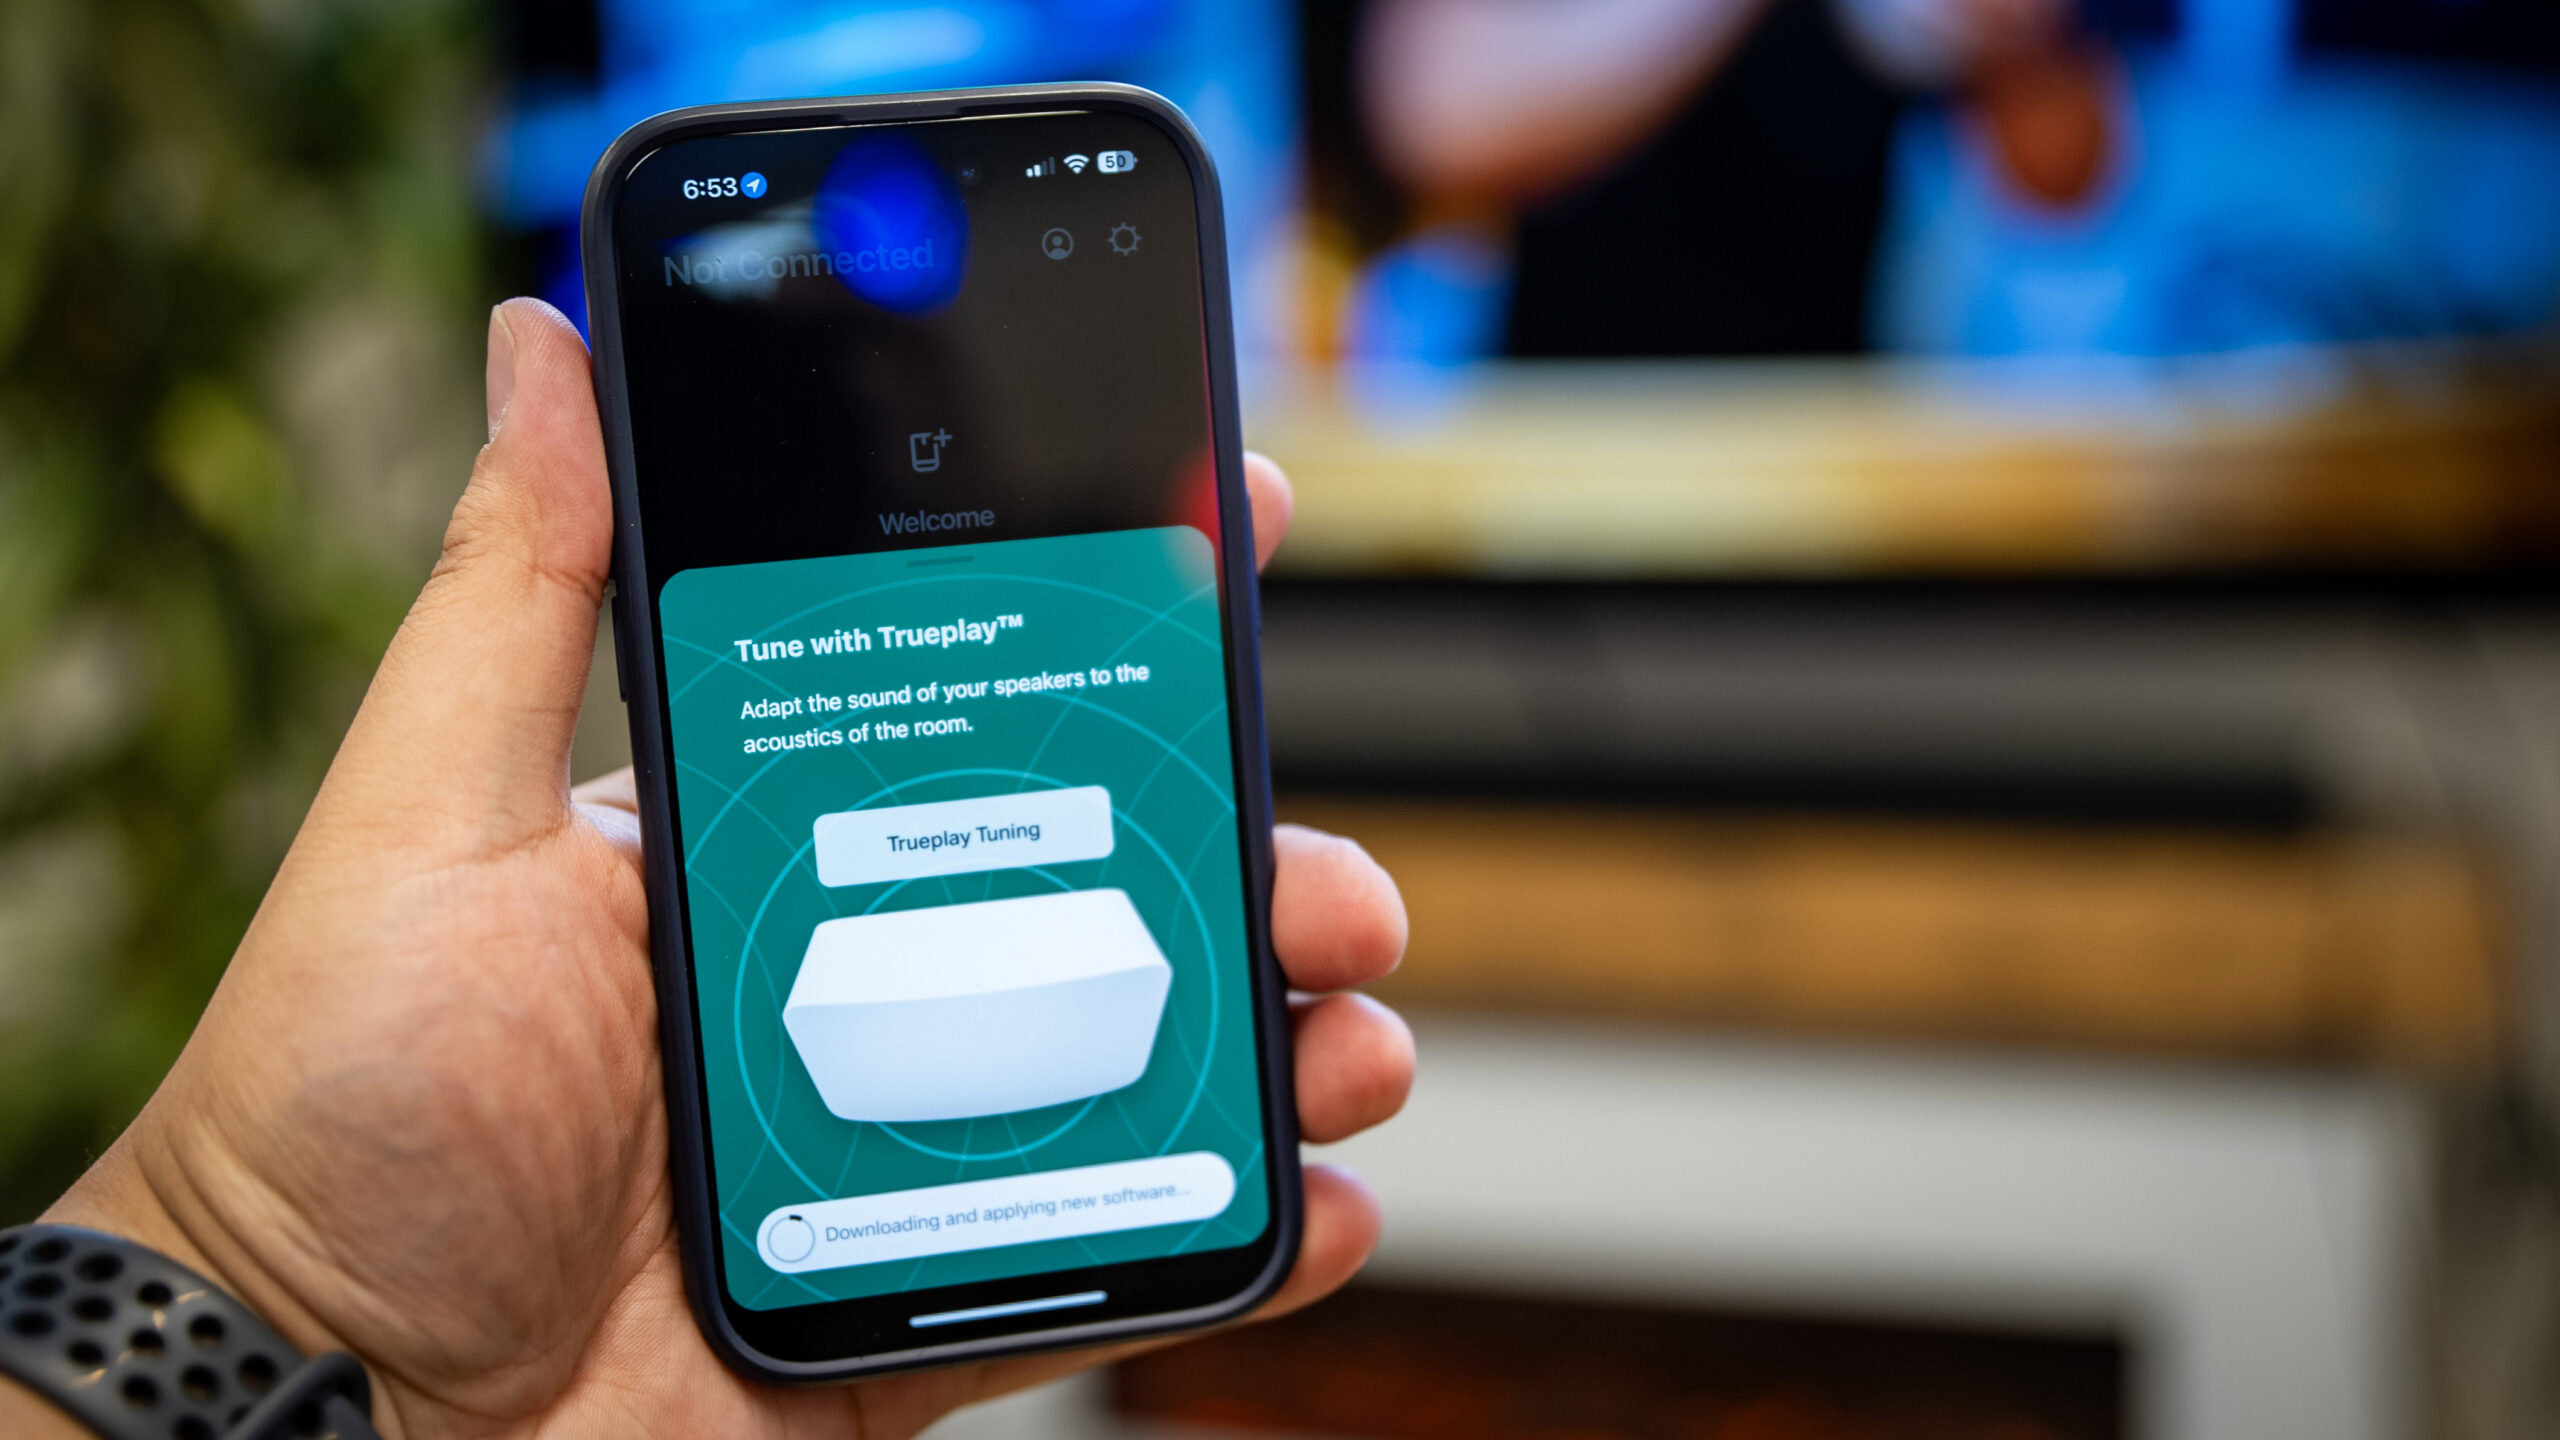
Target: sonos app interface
x=921 y=431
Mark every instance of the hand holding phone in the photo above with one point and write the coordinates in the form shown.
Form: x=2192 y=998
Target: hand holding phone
x=423 y=1118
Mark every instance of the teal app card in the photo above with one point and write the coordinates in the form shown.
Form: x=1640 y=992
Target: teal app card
x=966 y=898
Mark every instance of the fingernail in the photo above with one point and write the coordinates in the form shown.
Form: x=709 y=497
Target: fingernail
x=502 y=368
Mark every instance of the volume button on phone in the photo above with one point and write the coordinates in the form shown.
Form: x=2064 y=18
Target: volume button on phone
x=621 y=674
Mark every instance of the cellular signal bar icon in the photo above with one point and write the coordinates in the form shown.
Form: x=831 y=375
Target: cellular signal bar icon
x=1076 y=164
x=1045 y=167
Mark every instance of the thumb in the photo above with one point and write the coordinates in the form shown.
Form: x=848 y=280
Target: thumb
x=466 y=727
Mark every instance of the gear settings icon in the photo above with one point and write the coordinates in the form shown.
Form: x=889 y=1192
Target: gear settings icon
x=1124 y=239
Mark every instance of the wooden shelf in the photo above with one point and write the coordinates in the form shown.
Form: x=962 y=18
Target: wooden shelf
x=2321 y=946
x=2399 y=456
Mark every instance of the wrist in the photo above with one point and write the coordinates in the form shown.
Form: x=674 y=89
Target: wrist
x=132 y=1345
x=29 y=1416
x=114 y=1196
x=148 y=1194
x=23 y=1412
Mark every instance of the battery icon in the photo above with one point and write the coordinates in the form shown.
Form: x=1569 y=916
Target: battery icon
x=1115 y=162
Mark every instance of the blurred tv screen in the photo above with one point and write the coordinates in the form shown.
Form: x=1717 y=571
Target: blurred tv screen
x=1796 y=288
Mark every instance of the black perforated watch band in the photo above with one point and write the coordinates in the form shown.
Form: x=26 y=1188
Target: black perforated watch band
x=138 y=1347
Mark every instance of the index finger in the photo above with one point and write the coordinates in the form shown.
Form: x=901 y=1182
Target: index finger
x=1273 y=502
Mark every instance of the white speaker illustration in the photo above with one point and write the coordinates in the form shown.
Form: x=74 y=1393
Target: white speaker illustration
x=986 y=1008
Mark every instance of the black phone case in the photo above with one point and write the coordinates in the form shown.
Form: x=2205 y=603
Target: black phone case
x=636 y=658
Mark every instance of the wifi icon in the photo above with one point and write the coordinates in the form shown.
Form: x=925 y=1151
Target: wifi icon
x=1076 y=164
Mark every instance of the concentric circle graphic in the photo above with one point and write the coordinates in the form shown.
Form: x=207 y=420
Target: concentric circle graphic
x=1160 y=747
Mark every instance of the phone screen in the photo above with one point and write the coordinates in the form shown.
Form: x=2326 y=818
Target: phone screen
x=921 y=437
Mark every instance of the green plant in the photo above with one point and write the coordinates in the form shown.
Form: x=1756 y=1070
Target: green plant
x=240 y=291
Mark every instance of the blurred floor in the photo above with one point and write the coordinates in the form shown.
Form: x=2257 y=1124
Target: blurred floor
x=2242 y=1232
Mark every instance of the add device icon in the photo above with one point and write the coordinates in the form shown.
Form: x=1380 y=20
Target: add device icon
x=924 y=450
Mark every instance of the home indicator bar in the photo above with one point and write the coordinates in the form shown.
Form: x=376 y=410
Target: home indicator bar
x=1018 y=1307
